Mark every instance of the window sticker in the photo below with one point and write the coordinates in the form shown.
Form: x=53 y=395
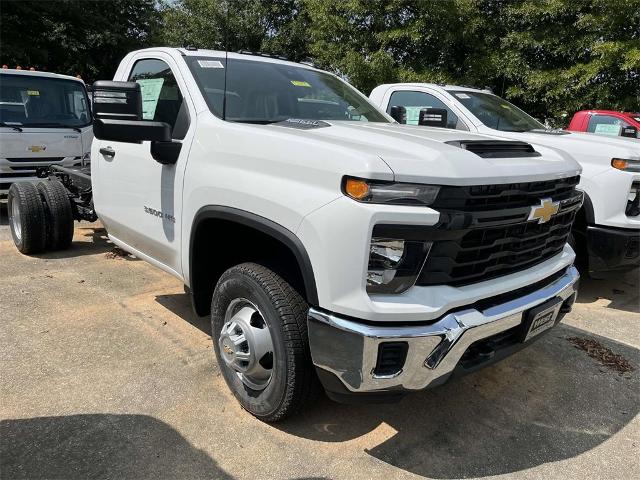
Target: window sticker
x=210 y=64
x=463 y=96
x=413 y=114
x=33 y=93
x=606 y=129
x=300 y=83
x=150 y=88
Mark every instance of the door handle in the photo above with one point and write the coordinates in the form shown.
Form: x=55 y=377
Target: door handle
x=108 y=152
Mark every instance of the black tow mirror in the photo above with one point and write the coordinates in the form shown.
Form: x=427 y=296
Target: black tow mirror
x=117 y=114
x=116 y=100
x=630 y=131
x=433 y=117
x=399 y=114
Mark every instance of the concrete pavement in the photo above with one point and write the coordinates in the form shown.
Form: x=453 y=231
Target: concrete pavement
x=106 y=373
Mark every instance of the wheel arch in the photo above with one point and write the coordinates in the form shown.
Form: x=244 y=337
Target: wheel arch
x=201 y=283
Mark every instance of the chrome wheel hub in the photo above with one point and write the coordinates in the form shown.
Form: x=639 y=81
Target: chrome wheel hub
x=245 y=344
x=15 y=219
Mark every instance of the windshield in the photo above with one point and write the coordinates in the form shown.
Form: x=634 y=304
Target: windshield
x=496 y=113
x=30 y=101
x=267 y=92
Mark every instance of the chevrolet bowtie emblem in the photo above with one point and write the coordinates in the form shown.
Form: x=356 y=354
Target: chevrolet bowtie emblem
x=543 y=212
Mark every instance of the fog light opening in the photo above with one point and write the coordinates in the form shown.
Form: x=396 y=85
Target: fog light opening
x=391 y=358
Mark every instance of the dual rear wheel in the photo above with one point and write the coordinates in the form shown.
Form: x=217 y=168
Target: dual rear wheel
x=40 y=216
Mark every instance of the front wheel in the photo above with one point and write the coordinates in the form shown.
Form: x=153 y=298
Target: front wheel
x=259 y=327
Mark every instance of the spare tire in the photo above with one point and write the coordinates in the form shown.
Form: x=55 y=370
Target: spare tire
x=59 y=214
x=27 y=219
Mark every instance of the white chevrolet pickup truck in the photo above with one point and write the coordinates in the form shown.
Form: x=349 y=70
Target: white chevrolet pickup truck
x=328 y=244
x=606 y=233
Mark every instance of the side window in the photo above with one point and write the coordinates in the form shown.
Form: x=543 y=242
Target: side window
x=414 y=101
x=606 y=125
x=162 y=100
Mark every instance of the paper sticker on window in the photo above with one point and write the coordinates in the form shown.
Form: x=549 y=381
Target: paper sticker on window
x=607 y=129
x=413 y=114
x=33 y=93
x=150 y=88
x=300 y=83
x=210 y=64
x=463 y=96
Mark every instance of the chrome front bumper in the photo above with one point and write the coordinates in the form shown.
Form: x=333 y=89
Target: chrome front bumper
x=348 y=349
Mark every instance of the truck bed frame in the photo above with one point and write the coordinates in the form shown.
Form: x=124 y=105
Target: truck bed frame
x=77 y=181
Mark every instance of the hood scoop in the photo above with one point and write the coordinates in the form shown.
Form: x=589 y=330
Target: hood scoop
x=496 y=148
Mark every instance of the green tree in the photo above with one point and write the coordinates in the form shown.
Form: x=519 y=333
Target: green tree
x=559 y=56
x=552 y=57
x=399 y=40
x=74 y=37
x=271 y=26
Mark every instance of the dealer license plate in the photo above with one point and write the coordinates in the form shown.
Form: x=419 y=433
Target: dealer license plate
x=542 y=318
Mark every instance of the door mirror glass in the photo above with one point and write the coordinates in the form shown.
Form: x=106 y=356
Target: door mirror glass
x=399 y=113
x=117 y=114
x=629 y=131
x=433 y=117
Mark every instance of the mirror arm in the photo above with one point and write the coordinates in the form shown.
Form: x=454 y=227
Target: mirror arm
x=166 y=153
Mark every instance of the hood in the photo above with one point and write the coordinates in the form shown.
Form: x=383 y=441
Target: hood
x=420 y=154
x=580 y=145
x=40 y=143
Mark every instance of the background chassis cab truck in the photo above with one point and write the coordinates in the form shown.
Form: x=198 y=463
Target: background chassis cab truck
x=328 y=244
x=44 y=120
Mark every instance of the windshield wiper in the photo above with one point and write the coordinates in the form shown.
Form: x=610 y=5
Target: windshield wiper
x=54 y=125
x=9 y=125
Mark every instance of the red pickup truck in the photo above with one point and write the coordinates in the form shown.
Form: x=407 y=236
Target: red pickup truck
x=606 y=122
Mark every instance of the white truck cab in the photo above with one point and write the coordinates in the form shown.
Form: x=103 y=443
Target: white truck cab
x=45 y=120
x=607 y=230
x=326 y=242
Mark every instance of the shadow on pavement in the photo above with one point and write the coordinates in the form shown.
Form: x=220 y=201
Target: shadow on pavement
x=99 y=446
x=180 y=304
x=548 y=403
x=4 y=214
x=622 y=291
x=95 y=241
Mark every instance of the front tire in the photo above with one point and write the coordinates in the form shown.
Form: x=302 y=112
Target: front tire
x=259 y=330
x=27 y=218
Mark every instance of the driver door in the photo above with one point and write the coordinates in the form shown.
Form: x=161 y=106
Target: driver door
x=138 y=199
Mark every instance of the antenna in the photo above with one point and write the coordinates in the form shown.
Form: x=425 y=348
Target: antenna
x=226 y=60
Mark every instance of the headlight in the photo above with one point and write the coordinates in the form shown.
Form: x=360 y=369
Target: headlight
x=626 y=165
x=394 y=261
x=373 y=191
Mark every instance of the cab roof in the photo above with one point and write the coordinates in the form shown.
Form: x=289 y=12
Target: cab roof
x=242 y=55
x=36 y=73
x=439 y=86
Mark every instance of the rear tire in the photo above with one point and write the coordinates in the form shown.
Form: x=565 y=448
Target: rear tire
x=27 y=218
x=248 y=298
x=58 y=213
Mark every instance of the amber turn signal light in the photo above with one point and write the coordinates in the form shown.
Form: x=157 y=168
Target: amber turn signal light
x=619 y=163
x=356 y=188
